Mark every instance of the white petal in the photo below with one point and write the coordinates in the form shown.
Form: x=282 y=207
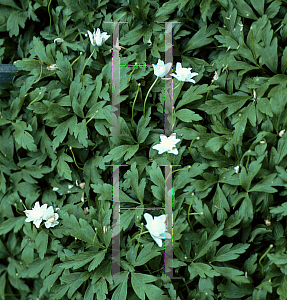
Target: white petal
x=157 y=240
x=148 y=219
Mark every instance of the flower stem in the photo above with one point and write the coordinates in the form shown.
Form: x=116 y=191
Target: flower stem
x=148 y=94
x=188 y=212
x=137 y=235
x=269 y=248
x=177 y=171
x=77 y=164
x=50 y=19
x=23 y=204
x=72 y=65
x=35 y=99
x=134 y=104
x=85 y=66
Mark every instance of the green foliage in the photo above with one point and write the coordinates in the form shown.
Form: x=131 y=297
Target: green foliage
x=58 y=147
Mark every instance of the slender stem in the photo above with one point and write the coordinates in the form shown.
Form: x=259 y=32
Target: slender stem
x=35 y=99
x=50 y=19
x=92 y=117
x=177 y=171
x=148 y=94
x=40 y=74
x=77 y=164
x=208 y=90
x=23 y=204
x=247 y=163
x=134 y=104
x=86 y=64
x=137 y=235
x=72 y=65
x=269 y=248
x=188 y=212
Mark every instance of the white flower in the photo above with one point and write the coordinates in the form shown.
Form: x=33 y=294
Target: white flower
x=157 y=228
x=167 y=144
x=161 y=69
x=70 y=186
x=55 y=189
x=215 y=77
x=50 y=217
x=58 y=40
x=98 y=38
x=36 y=214
x=52 y=67
x=183 y=74
x=149 y=42
x=236 y=169
x=281 y=133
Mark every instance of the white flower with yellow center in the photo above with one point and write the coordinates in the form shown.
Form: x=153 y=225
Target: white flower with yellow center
x=167 y=144
x=183 y=74
x=157 y=228
x=35 y=215
x=98 y=38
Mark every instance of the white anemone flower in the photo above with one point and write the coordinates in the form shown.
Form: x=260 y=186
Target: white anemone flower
x=36 y=214
x=167 y=144
x=50 y=217
x=98 y=38
x=161 y=69
x=157 y=228
x=58 y=40
x=183 y=74
x=52 y=67
x=236 y=169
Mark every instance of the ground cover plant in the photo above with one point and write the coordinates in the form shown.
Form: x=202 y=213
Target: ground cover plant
x=59 y=157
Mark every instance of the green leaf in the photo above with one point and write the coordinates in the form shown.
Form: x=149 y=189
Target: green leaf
x=81 y=133
x=265 y=185
x=146 y=254
x=167 y=8
x=39 y=267
x=122 y=289
x=16 y=19
x=79 y=229
x=268 y=53
x=157 y=178
x=282 y=209
x=142 y=129
x=124 y=150
x=284 y=61
x=244 y=9
x=187 y=115
x=63 y=70
x=201 y=269
x=133 y=36
x=10 y=3
x=62 y=167
x=232 y=274
x=206 y=242
x=263 y=104
x=11 y=223
x=215 y=143
x=201 y=38
x=62 y=130
x=273 y=9
x=259 y=6
x=39 y=50
x=220 y=204
x=41 y=242
x=101 y=289
x=139 y=283
x=22 y=137
x=227 y=252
